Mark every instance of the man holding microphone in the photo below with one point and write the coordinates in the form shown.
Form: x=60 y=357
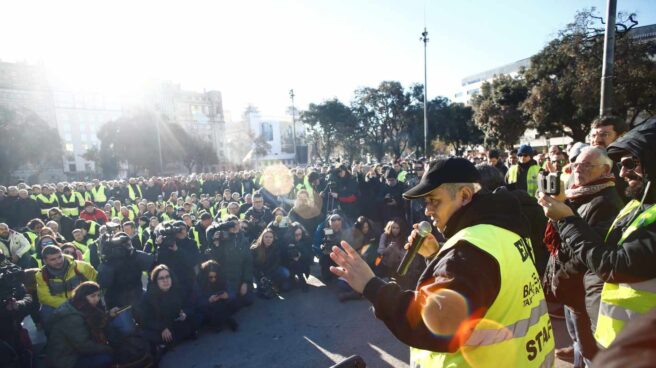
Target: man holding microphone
x=480 y=302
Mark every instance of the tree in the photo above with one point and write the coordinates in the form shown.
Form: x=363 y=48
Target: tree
x=455 y=126
x=133 y=138
x=104 y=159
x=382 y=113
x=198 y=154
x=329 y=123
x=564 y=77
x=25 y=138
x=497 y=110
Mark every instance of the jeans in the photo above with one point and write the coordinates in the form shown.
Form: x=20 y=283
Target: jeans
x=94 y=361
x=122 y=325
x=45 y=312
x=578 y=327
x=281 y=277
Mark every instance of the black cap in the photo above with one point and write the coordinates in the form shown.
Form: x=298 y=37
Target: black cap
x=451 y=170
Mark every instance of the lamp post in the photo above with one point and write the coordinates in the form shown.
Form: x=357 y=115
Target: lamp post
x=424 y=38
x=291 y=95
x=606 y=105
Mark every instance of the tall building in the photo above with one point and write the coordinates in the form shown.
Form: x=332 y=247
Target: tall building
x=199 y=113
x=26 y=86
x=79 y=117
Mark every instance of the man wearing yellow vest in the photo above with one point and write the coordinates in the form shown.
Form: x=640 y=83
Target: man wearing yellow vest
x=47 y=200
x=480 y=301
x=98 y=195
x=524 y=174
x=626 y=256
x=71 y=202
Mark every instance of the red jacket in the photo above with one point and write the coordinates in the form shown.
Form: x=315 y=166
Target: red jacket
x=97 y=216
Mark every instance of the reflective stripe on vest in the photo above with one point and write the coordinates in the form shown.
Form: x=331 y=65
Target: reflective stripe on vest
x=625 y=301
x=196 y=237
x=516 y=330
x=70 y=206
x=531 y=177
x=46 y=203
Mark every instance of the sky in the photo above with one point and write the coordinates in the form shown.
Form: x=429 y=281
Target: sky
x=254 y=51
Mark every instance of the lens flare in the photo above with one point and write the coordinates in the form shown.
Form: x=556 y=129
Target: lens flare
x=277 y=179
x=443 y=312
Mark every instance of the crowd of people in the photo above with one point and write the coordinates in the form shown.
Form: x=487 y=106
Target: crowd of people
x=74 y=255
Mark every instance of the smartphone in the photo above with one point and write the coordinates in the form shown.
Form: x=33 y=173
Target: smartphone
x=123 y=309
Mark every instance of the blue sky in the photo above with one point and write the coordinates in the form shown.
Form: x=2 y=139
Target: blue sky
x=255 y=51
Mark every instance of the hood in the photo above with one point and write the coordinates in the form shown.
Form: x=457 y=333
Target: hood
x=63 y=311
x=499 y=208
x=641 y=143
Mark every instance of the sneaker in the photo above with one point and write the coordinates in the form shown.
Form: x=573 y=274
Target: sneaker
x=565 y=353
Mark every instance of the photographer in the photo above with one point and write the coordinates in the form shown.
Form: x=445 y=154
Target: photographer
x=267 y=258
x=298 y=255
x=331 y=235
x=119 y=275
x=344 y=189
x=231 y=251
x=179 y=253
x=393 y=204
x=15 y=305
x=259 y=214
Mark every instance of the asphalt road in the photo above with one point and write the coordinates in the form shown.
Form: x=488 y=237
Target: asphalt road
x=297 y=330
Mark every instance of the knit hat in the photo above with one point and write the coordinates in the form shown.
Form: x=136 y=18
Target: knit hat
x=525 y=149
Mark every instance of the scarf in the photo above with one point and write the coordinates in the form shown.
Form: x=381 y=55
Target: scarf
x=576 y=192
x=61 y=273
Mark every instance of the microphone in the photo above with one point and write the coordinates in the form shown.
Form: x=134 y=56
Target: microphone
x=423 y=230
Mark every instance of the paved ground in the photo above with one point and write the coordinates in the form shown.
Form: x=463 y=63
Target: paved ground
x=299 y=330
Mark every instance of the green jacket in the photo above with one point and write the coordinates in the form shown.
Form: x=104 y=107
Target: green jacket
x=69 y=337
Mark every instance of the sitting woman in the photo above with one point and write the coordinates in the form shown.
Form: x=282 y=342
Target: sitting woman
x=214 y=303
x=73 y=251
x=298 y=255
x=365 y=240
x=76 y=335
x=164 y=313
x=390 y=248
x=269 y=273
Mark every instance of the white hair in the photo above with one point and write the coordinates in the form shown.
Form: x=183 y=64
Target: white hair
x=600 y=154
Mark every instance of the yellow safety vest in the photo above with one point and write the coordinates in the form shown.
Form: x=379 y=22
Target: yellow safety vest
x=531 y=178
x=401 y=176
x=75 y=200
x=98 y=194
x=131 y=192
x=516 y=330
x=623 y=302
x=84 y=248
x=46 y=203
x=130 y=216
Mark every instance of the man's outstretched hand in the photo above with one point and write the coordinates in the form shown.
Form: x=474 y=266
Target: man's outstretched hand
x=351 y=267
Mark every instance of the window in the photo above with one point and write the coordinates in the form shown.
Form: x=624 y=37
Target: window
x=266 y=131
x=72 y=167
x=87 y=167
x=69 y=147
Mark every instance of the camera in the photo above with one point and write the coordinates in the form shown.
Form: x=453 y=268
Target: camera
x=330 y=239
x=11 y=280
x=549 y=183
x=115 y=247
x=266 y=288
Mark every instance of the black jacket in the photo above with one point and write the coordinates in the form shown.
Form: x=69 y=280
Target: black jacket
x=25 y=209
x=122 y=280
x=458 y=269
x=598 y=211
x=633 y=261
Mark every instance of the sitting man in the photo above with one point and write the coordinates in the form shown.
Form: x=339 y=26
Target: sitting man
x=58 y=277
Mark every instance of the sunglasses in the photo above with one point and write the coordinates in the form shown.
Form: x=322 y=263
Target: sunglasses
x=629 y=163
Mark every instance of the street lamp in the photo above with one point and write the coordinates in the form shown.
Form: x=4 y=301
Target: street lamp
x=424 y=38
x=291 y=95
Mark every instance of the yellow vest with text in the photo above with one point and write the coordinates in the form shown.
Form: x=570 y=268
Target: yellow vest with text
x=516 y=330
x=531 y=177
x=622 y=302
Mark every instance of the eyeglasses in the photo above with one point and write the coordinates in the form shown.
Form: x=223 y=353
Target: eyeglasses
x=629 y=163
x=163 y=278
